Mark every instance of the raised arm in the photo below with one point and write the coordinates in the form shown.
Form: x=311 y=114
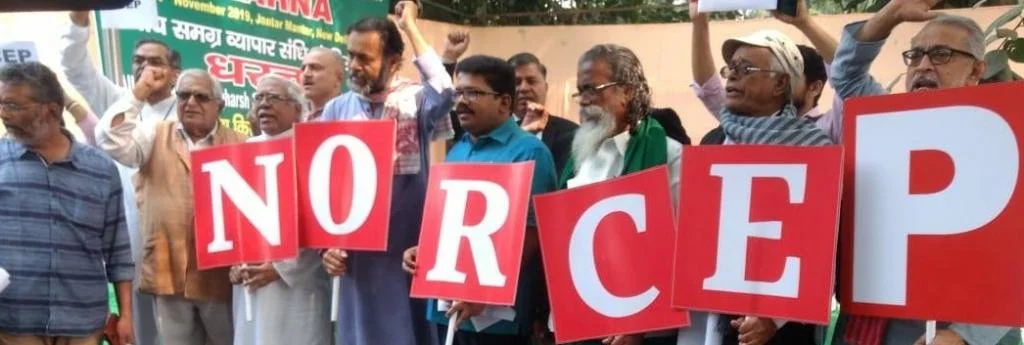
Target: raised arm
x=851 y=70
x=119 y=133
x=706 y=83
x=94 y=87
x=703 y=64
x=435 y=99
x=820 y=39
x=429 y=64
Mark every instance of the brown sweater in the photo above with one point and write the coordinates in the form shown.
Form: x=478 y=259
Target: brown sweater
x=164 y=194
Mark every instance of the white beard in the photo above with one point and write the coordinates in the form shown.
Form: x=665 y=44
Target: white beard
x=596 y=125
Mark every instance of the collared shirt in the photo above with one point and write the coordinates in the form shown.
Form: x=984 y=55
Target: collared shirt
x=712 y=94
x=420 y=111
x=607 y=162
x=507 y=144
x=63 y=237
x=131 y=142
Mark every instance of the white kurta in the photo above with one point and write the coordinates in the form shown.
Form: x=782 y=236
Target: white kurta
x=100 y=93
x=292 y=310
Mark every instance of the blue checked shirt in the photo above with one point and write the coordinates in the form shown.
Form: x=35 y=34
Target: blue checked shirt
x=62 y=238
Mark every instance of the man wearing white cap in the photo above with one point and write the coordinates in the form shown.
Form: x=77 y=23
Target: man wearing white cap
x=761 y=73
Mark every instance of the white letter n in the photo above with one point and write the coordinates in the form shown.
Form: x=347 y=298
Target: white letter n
x=265 y=216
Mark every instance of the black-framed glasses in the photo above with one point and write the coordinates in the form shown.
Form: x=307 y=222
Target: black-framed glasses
x=269 y=97
x=201 y=97
x=589 y=92
x=937 y=55
x=472 y=95
x=741 y=71
x=9 y=107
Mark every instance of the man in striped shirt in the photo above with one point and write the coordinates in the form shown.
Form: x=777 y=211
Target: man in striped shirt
x=62 y=228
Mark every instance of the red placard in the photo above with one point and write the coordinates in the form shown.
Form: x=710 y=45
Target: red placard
x=244 y=203
x=345 y=175
x=605 y=247
x=757 y=230
x=471 y=241
x=932 y=212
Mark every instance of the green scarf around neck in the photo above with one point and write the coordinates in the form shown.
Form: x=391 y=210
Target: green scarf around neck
x=646 y=148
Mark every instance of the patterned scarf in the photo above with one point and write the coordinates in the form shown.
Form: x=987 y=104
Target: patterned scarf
x=398 y=102
x=785 y=128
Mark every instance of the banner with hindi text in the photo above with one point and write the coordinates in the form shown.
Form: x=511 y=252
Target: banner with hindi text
x=239 y=41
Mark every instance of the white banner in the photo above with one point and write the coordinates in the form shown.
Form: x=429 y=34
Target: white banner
x=138 y=15
x=17 y=52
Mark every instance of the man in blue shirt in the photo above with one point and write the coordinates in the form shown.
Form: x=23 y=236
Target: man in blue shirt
x=485 y=94
x=62 y=228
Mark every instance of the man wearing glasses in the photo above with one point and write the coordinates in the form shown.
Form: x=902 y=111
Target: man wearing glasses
x=616 y=136
x=947 y=53
x=485 y=98
x=62 y=228
x=193 y=306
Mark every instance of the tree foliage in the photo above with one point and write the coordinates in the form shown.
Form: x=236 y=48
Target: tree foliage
x=582 y=12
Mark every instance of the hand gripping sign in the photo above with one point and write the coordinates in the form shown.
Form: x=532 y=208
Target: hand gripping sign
x=345 y=174
x=244 y=203
x=757 y=230
x=474 y=223
x=607 y=249
x=932 y=213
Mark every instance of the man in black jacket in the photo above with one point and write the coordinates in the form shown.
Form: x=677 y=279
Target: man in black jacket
x=531 y=95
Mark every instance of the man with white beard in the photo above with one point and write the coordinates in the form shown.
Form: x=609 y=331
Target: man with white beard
x=617 y=138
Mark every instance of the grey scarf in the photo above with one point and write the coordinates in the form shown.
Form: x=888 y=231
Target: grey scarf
x=784 y=128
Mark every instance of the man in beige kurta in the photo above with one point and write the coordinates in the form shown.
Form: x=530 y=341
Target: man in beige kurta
x=193 y=306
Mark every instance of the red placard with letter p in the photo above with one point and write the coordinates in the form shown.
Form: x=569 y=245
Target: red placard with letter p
x=244 y=203
x=471 y=241
x=606 y=248
x=757 y=230
x=345 y=174
x=933 y=206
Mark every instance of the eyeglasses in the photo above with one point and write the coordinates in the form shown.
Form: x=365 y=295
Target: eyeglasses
x=588 y=92
x=741 y=71
x=184 y=96
x=473 y=95
x=271 y=98
x=8 y=107
x=937 y=55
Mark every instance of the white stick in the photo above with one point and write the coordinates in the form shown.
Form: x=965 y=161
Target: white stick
x=335 y=289
x=450 y=336
x=248 y=305
x=929 y=331
x=248 y=299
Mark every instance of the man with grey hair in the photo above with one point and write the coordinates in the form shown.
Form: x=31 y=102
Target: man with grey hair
x=193 y=306
x=62 y=229
x=616 y=137
x=762 y=73
x=323 y=74
x=289 y=298
x=948 y=52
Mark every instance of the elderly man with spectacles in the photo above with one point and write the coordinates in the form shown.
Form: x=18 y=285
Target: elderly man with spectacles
x=289 y=298
x=947 y=53
x=193 y=306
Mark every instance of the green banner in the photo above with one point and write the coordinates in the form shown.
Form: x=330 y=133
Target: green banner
x=239 y=41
